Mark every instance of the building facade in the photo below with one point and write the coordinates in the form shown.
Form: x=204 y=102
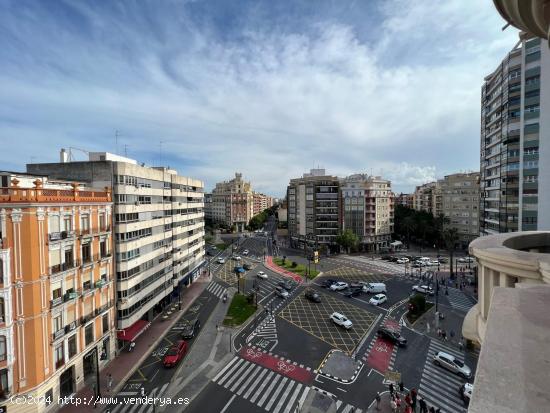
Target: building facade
x=232 y=203
x=515 y=141
x=57 y=321
x=313 y=210
x=159 y=232
x=406 y=200
x=427 y=198
x=261 y=202
x=460 y=203
x=367 y=210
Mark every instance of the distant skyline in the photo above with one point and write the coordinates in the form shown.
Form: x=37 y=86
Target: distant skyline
x=268 y=89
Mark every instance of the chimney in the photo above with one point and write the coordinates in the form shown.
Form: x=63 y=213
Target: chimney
x=63 y=156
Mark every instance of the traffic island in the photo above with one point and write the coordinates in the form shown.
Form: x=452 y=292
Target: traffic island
x=340 y=366
x=296 y=268
x=417 y=307
x=240 y=309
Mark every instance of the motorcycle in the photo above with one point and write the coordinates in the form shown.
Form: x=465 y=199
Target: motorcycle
x=224 y=298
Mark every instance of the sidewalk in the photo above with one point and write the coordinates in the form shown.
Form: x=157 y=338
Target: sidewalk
x=124 y=365
x=384 y=406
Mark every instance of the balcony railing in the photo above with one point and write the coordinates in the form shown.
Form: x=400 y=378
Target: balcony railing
x=59 y=363
x=100 y=283
x=56 y=301
x=70 y=296
x=70 y=327
x=63 y=267
x=86 y=318
x=58 y=334
x=56 y=236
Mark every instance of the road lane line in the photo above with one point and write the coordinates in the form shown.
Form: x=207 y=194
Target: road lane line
x=228 y=403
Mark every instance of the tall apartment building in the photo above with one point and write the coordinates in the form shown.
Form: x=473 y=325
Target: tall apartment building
x=427 y=198
x=159 y=232
x=460 y=203
x=57 y=315
x=367 y=210
x=232 y=203
x=406 y=200
x=313 y=204
x=515 y=141
x=261 y=202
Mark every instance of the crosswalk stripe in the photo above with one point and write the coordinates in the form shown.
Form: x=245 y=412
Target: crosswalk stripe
x=258 y=382
x=246 y=384
x=285 y=395
x=276 y=393
x=237 y=374
x=225 y=368
x=262 y=400
x=230 y=372
x=290 y=403
x=444 y=403
x=442 y=374
x=347 y=409
x=243 y=376
x=303 y=397
x=436 y=347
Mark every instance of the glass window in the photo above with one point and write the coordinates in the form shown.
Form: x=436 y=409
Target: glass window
x=59 y=356
x=3 y=348
x=72 y=346
x=105 y=323
x=89 y=333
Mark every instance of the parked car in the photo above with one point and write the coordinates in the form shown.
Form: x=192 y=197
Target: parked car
x=392 y=335
x=434 y=263
x=285 y=284
x=386 y=257
x=238 y=269
x=220 y=261
x=236 y=258
x=424 y=289
x=378 y=299
x=311 y=295
x=190 y=328
x=466 y=259
x=281 y=292
x=245 y=252
x=328 y=282
x=443 y=260
x=210 y=252
x=175 y=354
x=402 y=260
x=394 y=259
x=247 y=267
x=374 y=288
x=465 y=392
x=338 y=286
x=341 y=320
x=452 y=364
x=354 y=292
x=262 y=274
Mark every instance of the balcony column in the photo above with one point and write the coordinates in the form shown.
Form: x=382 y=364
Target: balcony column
x=484 y=290
x=506 y=281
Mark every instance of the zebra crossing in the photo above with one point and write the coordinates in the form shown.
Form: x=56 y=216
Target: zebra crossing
x=459 y=300
x=439 y=387
x=268 y=329
x=261 y=386
x=217 y=289
x=124 y=407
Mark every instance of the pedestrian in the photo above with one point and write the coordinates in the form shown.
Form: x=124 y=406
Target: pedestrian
x=428 y=328
x=398 y=401
x=393 y=405
x=408 y=409
x=408 y=400
x=423 y=405
x=444 y=335
x=401 y=386
x=132 y=345
x=109 y=382
x=142 y=390
x=461 y=345
x=432 y=409
x=391 y=388
x=377 y=401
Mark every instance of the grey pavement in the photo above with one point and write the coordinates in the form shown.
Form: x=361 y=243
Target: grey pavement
x=318 y=403
x=341 y=366
x=210 y=352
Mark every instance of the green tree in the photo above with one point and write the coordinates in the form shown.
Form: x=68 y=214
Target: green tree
x=440 y=222
x=450 y=237
x=409 y=227
x=347 y=239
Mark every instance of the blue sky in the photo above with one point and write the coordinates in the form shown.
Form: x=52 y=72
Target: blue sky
x=266 y=88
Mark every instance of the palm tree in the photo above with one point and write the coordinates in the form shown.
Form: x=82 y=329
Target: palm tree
x=450 y=236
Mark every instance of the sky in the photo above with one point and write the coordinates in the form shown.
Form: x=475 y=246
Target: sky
x=267 y=88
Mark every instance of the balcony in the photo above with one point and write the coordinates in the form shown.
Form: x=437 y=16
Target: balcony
x=70 y=327
x=100 y=283
x=86 y=318
x=70 y=296
x=63 y=267
x=56 y=301
x=58 y=334
x=103 y=308
x=57 y=236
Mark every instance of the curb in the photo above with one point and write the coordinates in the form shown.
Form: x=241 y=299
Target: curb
x=284 y=359
x=350 y=380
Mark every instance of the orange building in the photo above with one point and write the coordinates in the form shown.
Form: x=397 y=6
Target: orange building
x=57 y=326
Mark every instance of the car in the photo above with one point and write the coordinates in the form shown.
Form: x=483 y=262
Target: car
x=281 y=292
x=392 y=335
x=338 y=286
x=247 y=267
x=236 y=258
x=393 y=259
x=378 y=299
x=424 y=289
x=402 y=260
x=465 y=392
x=285 y=284
x=434 y=263
x=452 y=364
x=220 y=261
x=374 y=288
x=261 y=274
x=190 y=328
x=341 y=320
x=354 y=292
x=245 y=252
x=443 y=260
x=466 y=259
x=175 y=354
x=311 y=295
x=328 y=282
x=386 y=257
x=238 y=269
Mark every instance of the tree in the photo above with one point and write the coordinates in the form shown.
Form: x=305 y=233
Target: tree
x=409 y=227
x=441 y=221
x=347 y=239
x=450 y=236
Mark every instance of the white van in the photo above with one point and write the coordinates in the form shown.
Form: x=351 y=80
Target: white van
x=374 y=288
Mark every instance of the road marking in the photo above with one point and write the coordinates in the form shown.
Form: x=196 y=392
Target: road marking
x=224 y=369
x=228 y=403
x=345 y=391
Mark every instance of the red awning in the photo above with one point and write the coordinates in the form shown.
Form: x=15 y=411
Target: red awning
x=132 y=332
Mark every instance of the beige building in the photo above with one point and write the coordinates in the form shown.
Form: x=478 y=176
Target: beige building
x=261 y=202
x=159 y=232
x=232 y=203
x=406 y=200
x=427 y=197
x=367 y=210
x=459 y=195
x=57 y=291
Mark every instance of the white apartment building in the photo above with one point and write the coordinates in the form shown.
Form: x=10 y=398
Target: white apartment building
x=158 y=231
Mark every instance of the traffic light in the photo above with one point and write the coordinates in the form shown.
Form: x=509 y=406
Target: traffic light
x=315 y=257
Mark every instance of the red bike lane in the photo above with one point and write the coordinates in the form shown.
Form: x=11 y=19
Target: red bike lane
x=277 y=365
x=274 y=267
x=380 y=355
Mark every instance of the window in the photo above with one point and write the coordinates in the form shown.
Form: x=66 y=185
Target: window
x=67 y=223
x=85 y=223
x=86 y=253
x=530 y=164
x=56 y=293
x=53 y=223
x=72 y=346
x=89 y=334
x=105 y=323
x=59 y=356
x=2 y=310
x=57 y=323
x=103 y=248
x=4 y=380
x=102 y=222
x=3 y=348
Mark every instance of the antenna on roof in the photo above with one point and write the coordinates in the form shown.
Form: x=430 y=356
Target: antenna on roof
x=125 y=150
x=117 y=134
x=160 y=153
